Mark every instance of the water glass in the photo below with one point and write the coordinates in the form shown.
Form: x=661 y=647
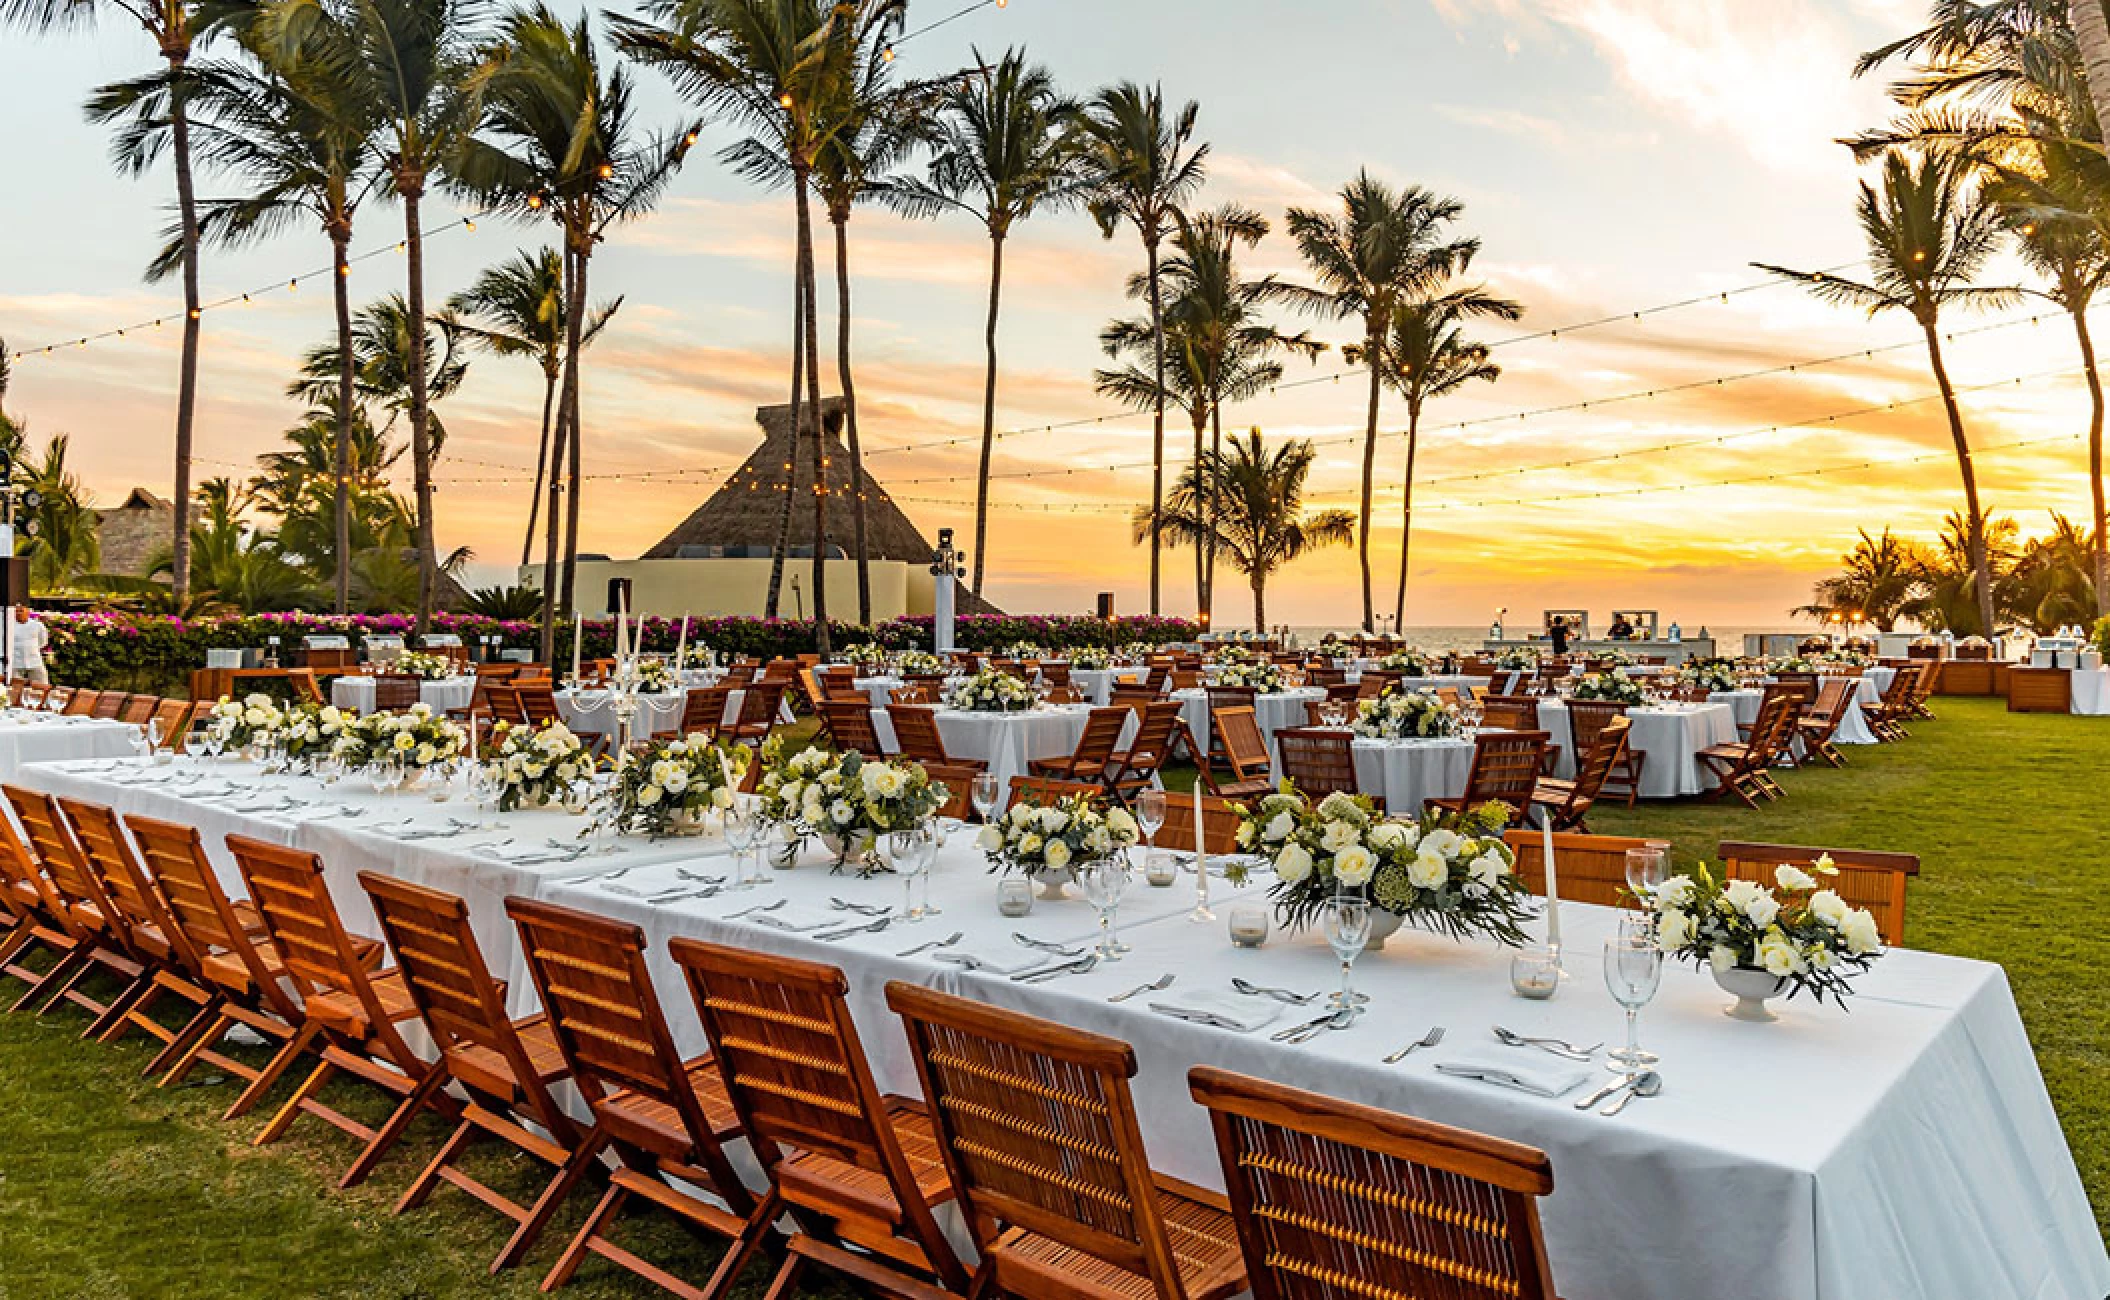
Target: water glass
x=934 y=834
x=740 y=829
x=1104 y=883
x=1347 y=923
x=904 y=851
x=984 y=794
x=1647 y=867
x=1150 y=818
x=1633 y=968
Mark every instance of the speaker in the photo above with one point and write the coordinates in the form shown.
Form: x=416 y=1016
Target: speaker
x=619 y=594
x=14 y=580
x=1106 y=604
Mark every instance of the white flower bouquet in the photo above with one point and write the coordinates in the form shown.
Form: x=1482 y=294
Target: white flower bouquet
x=1047 y=839
x=990 y=691
x=847 y=799
x=1022 y=650
x=310 y=731
x=1708 y=675
x=657 y=677
x=1226 y=655
x=1619 y=658
x=1610 y=686
x=1407 y=663
x=1136 y=652
x=251 y=720
x=532 y=767
x=1090 y=658
x=920 y=663
x=1521 y=659
x=415 y=738
x=1795 y=931
x=865 y=654
x=665 y=786
x=1790 y=664
x=1262 y=675
x=1405 y=715
x=422 y=665
x=1443 y=872
x=1849 y=658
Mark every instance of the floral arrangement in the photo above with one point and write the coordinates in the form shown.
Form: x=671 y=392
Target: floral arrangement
x=1022 y=650
x=1230 y=653
x=847 y=799
x=1847 y=656
x=990 y=691
x=1444 y=872
x=1619 y=658
x=1137 y=652
x=656 y=677
x=1517 y=659
x=919 y=663
x=665 y=785
x=1805 y=935
x=423 y=665
x=238 y=724
x=416 y=737
x=1090 y=658
x=1263 y=676
x=866 y=654
x=1709 y=675
x=535 y=766
x=1407 y=663
x=310 y=731
x=1036 y=839
x=1405 y=715
x=1610 y=686
x=1791 y=664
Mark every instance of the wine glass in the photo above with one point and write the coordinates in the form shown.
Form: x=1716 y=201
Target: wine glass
x=1150 y=818
x=141 y=745
x=934 y=835
x=1633 y=967
x=903 y=850
x=740 y=830
x=1347 y=923
x=984 y=794
x=1104 y=883
x=1647 y=867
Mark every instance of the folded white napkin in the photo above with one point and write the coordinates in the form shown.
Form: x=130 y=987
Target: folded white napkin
x=1219 y=1007
x=997 y=961
x=797 y=918
x=1526 y=1071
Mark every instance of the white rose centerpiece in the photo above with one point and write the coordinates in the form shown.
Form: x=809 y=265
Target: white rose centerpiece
x=415 y=739
x=1407 y=663
x=1405 y=715
x=423 y=665
x=1617 y=687
x=846 y=799
x=991 y=691
x=1051 y=839
x=532 y=767
x=1262 y=675
x=1794 y=935
x=251 y=720
x=666 y=786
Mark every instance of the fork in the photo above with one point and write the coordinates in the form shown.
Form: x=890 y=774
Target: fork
x=759 y=907
x=947 y=942
x=866 y=909
x=1557 y=1046
x=1290 y=996
x=1042 y=945
x=1046 y=973
x=869 y=927
x=1430 y=1039
x=1161 y=982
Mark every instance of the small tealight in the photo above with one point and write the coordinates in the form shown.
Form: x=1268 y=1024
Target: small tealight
x=1535 y=972
x=1161 y=869
x=1248 y=924
x=1014 y=896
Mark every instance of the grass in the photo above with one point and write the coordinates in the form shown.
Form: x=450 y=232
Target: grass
x=110 y=1188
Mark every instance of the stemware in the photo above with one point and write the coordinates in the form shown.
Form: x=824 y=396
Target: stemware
x=141 y=745
x=905 y=852
x=1104 y=883
x=984 y=793
x=1633 y=967
x=1647 y=867
x=1150 y=818
x=933 y=835
x=1347 y=923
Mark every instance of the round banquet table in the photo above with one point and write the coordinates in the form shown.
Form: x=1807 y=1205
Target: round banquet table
x=1007 y=742
x=1273 y=712
x=355 y=694
x=32 y=737
x=1672 y=735
x=591 y=712
x=1408 y=773
x=1098 y=683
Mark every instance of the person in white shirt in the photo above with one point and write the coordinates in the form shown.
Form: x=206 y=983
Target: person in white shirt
x=31 y=638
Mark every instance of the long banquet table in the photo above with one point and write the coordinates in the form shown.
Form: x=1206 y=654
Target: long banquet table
x=27 y=737
x=1905 y=1149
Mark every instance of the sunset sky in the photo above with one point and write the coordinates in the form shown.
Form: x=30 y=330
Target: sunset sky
x=1613 y=155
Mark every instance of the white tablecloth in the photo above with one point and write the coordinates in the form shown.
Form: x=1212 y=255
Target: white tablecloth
x=27 y=737
x=1672 y=735
x=1007 y=742
x=1407 y=773
x=1272 y=712
x=1853 y=728
x=2090 y=691
x=591 y=712
x=1098 y=683
x=356 y=693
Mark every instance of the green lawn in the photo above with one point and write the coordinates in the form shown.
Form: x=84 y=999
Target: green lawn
x=109 y=1188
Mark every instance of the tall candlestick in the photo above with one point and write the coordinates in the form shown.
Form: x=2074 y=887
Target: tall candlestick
x=1553 y=885
x=681 y=652
x=622 y=624
x=578 y=636
x=1201 y=910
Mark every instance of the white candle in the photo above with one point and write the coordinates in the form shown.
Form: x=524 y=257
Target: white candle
x=1553 y=885
x=622 y=623
x=681 y=652
x=578 y=635
x=1201 y=844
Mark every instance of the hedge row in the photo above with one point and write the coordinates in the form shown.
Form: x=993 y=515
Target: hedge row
x=154 y=653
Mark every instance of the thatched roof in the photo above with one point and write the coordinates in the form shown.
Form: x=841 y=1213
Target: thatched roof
x=131 y=532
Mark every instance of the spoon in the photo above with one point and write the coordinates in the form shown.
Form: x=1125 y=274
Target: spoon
x=1290 y=996
x=1647 y=1084
x=1340 y=1019
x=759 y=907
x=1624 y=1081
x=1042 y=945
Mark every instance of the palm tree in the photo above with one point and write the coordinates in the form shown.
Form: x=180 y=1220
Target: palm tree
x=1257 y=518
x=1386 y=247
x=297 y=485
x=385 y=353
x=2051 y=584
x=63 y=543
x=302 y=144
x=177 y=28
x=239 y=566
x=2091 y=37
x=1428 y=356
x=1007 y=149
x=560 y=139
x=1929 y=232
x=1953 y=597
x=1878 y=582
x=1143 y=166
x=516 y=309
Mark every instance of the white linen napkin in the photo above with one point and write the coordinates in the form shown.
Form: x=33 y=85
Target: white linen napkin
x=797 y=918
x=996 y=961
x=1219 y=1007
x=1526 y=1071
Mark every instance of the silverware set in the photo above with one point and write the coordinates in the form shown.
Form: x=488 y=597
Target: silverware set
x=1339 y=1018
x=1291 y=996
x=1641 y=1083
x=947 y=942
x=1556 y=1046
x=1042 y=945
x=868 y=927
x=1042 y=974
x=863 y=909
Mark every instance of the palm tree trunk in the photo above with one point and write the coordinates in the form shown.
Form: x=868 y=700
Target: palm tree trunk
x=1210 y=511
x=842 y=372
x=575 y=315
x=782 y=546
x=1974 y=520
x=981 y=485
x=340 y=283
x=1201 y=514
x=1371 y=349
x=1406 y=518
x=1260 y=602
x=420 y=403
x=559 y=433
x=187 y=373
x=810 y=329
x=2091 y=33
x=1157 y=414
x=2100 y=543
x=549 y=399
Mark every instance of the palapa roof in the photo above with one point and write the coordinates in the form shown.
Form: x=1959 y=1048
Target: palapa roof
x=130 y=533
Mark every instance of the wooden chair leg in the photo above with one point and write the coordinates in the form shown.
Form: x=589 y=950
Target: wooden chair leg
x=786 y=1281
x=554 y=1195
x=759 y=1226
x=65 y=970
x=268 y=1077
x=392 y=1131
x=193 y=1034
x=139 y=993
x=287 y=1113
x=582 y=1241
x=428 y=1180
x=66 y=986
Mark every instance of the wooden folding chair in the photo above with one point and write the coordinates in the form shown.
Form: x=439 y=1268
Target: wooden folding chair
x=1510 y=713
x=1335 y=1199
x=1039 y=1134
x=538 y=703
x=1818 y=727
x=1244 y=750
x=1888 y=720
x=958 y=780
x=838 y=682
x=1219 y=824
x=1044 y=790
x=393 y=693
x=1158 y=729
x=235 y=960
x=506 y=1066
x=848 y=725
x=80 y=703
x=1317 y=761
x=1093 y=758
x=1586 y=720
x=916 y=737
x=36 y=921
x=137 y=709
x=858 y=1171
x=353 y=1012
x=1592 y=868
x=665 y=1118
x=1568 y=803
x=172 y=719
x=1867 y=879
x=1505 y=771
x=702 y=712
x=108 y=704
x=81 y=909
x=759 y=704
x=1740 y=768
x=505 y=706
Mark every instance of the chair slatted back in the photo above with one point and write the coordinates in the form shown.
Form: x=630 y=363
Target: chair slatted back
x=538 y=704
x=1044 y=790
x=1802 y=685
x=1591 y=868
x=838 y=681
x=848 y=722
x=1219 y=824
x=1158 y=677
x=1038 y=1130
x=24 y=893
x=1095 y=747
x=172 y=718
x=504 y=704
x=174 y=855
x=916 y=733
x=1585 y=719
x=1334 y=1199
x=703 y=711
x=1511 y=713
x=1866 y=878
x=108 y=705
x=109 y=857
x=52 y=844
x=1505 y=768
x=958 y=780
x=82 y=703
x=1319 y=762
x=394 y=692
x=759 y=704
x=1607 y=747
x=590 y=972
x=138 y=709
x=1833 y=698
x=1244 y=747
x=1156 y=726
x=1231 y=697
x=288 y=889
x=1775 y=724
